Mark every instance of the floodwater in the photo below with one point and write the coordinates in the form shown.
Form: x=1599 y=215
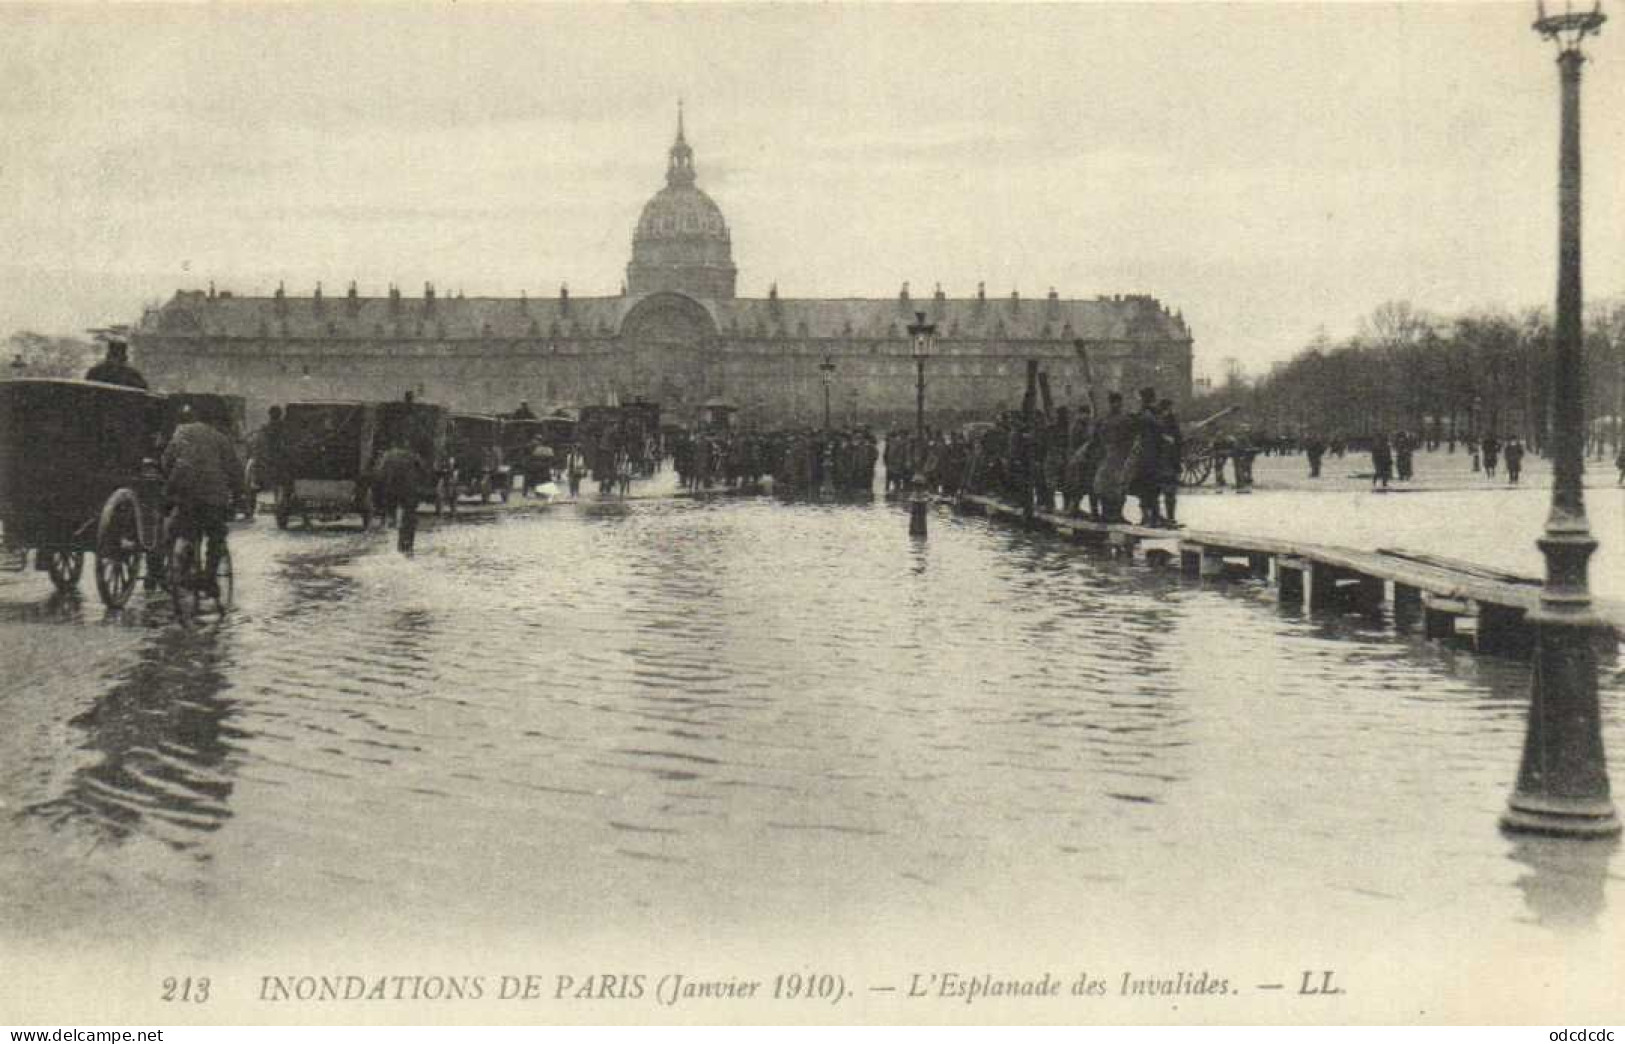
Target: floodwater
x=767 y=732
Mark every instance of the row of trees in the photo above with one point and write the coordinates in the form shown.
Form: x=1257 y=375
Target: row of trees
x=1472 y=376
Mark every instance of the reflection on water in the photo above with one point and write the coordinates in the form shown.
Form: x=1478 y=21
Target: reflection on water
x=161 y=741
x=735 y=713
x=1564 y=882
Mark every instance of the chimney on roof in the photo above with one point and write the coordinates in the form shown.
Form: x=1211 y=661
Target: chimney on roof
x=1015 y=301
x=981 y=297
x=903 y=303
x=939 y=295
x=351 y=300
x=564 y=299
x=1053 y=309
x=428 y=297
x=394 y=299
x=773 y=300
x=316 y=299
x=281 y=299
x=211 y=289
x=524 y=301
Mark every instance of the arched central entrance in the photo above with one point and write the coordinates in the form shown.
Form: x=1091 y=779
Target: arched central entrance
x=667 y=339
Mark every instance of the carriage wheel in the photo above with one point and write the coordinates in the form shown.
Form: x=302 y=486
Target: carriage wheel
x=65 y=568
x=118 y=550
x=1195 y=469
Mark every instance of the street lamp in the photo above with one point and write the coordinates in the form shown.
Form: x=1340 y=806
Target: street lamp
x=826 y=370
x=922 y=333
x=1562 y=784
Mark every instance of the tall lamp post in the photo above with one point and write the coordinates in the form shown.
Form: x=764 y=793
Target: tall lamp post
x=1562 y=784
x=826 y=371
x=922 y=333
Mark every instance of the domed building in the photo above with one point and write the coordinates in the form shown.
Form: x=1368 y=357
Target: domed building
x=681 y=242
x=676 y=334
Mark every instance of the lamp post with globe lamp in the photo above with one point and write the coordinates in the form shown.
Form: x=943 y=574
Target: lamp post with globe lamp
x=1562 y=786
x=921 y=334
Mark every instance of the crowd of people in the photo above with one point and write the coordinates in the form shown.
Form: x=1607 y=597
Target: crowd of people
x=1088 y=466
x=803 y=459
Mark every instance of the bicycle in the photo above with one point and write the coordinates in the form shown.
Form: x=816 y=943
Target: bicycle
x=188 y=588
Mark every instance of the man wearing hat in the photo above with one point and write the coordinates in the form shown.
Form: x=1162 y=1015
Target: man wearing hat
x=116 y=368
x=203 y=479
x=1145 y=470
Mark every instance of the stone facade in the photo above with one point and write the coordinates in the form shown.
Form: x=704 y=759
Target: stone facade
x=676 y=335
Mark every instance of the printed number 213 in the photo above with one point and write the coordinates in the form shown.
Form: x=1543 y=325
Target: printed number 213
x=187 y=989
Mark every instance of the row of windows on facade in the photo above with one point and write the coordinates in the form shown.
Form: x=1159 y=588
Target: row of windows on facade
x=905 y=300
x=1113 y=372
x=604 y=331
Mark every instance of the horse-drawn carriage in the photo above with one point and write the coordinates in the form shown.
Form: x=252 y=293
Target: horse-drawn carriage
x=79 y=474
x=328 y=452
x=474 y=459
x=331 y=453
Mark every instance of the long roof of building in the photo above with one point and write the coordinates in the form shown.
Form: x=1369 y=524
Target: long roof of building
x=1119 y=318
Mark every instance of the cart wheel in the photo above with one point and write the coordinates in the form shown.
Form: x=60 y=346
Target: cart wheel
x=1195 y=470
x=118 y=550
x=65 y=568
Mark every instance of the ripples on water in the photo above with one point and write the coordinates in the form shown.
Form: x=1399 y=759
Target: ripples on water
x=746 y=713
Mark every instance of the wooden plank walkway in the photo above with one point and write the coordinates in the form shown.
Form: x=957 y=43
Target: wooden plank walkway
x=1444 y=595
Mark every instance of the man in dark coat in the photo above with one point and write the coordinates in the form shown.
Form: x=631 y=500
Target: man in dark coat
x=1116 y=437
x=1170 y=457
x=115 y=368
x=1514 y=458
x=1145 y=478
x=1382 y=461
x=400 y=475
x=1315 y=449
x=202 y=480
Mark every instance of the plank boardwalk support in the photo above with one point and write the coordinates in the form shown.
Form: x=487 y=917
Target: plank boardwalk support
x=1503 y=631
x=1407 y=604
x=1439 y=616
x=1322 y=586
x=1290 y=574
x=1367 y=593
x=1429 y=590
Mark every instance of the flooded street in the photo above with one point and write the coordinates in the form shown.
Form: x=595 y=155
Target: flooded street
x=756 y=727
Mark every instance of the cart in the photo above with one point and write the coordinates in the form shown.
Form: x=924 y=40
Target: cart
x=474 y=450
x=329 y=448
x=78 y=474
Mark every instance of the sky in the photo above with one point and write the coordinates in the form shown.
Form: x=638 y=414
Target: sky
x=1267 y=169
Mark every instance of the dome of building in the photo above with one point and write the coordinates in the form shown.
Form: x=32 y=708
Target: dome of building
x=681 y=242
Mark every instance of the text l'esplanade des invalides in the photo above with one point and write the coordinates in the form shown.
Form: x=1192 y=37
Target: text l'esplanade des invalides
x=676 y=334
